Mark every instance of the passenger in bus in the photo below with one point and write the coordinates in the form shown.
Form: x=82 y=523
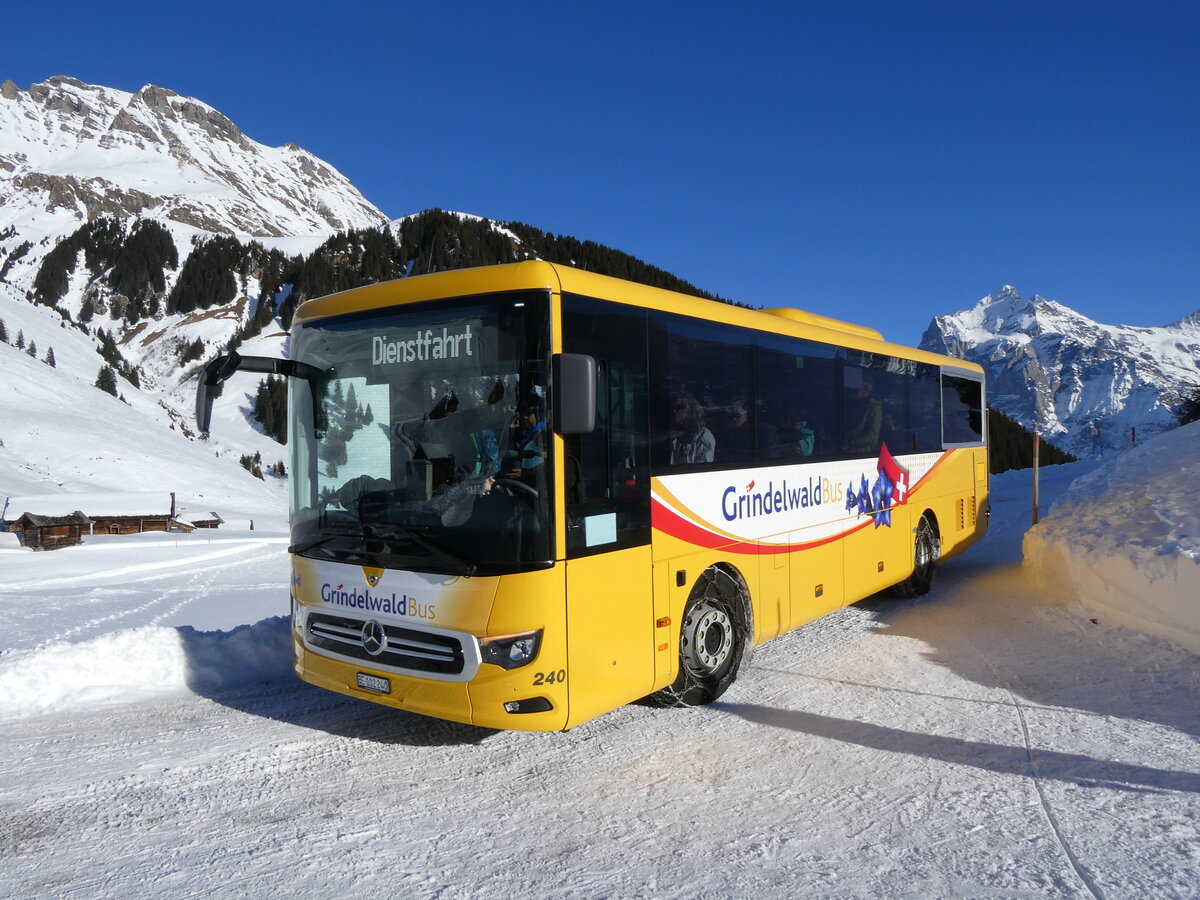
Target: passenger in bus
x=737 y=437
x=890 y=433
x=531 y=446
x=794 y=435
x=691 y=441
x=864 y=417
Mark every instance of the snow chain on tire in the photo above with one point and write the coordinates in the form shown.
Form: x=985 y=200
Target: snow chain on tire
x=713 y=638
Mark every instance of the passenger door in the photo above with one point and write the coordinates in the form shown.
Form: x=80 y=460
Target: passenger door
x=610 y=598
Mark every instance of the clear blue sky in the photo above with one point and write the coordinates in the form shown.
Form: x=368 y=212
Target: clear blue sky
x=880 y=162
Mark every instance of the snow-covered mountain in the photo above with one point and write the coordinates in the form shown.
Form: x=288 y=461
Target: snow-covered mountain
x=71 y=151
x=1082 y=384
x=74 y=155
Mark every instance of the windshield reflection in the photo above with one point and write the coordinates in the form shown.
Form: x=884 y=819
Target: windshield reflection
x=429 y=450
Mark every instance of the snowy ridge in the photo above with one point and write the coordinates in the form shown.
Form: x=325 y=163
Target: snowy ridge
x=70 y=150
x=1082 y=384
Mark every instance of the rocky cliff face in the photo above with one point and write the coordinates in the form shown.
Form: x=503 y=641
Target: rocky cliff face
x=75 y=150
x=1082 y=384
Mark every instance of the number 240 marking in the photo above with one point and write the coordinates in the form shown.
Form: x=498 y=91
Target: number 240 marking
x=550 y=677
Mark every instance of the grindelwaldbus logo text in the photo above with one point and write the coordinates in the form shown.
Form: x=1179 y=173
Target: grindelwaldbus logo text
x=391 y=605
x=425 y=345
x=768 y=501
x=890 y=489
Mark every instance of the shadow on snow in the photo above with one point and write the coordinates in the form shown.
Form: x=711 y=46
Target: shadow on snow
x=1074 y=768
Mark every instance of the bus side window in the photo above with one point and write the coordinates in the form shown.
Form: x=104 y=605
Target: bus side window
x=797 y=384
x=926 y=408
x=962 y=410
x=703 y=408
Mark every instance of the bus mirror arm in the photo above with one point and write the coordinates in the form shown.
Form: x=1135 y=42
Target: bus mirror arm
x=220 y=369
x=574 y=382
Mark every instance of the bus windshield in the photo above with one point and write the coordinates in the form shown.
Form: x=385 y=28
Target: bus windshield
x=425 y=446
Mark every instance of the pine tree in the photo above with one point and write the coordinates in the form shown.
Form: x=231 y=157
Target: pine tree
x=192 y=352
x=253 y=464
x=263 y=410
x=270 y=407
x=20 y=339
x=107 y=380
x=1010 y=446
x=353 y=411
x=3 y=332
x=32 y=348
x=50 y=358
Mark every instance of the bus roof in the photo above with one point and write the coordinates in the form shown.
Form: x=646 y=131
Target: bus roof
x=539 y=275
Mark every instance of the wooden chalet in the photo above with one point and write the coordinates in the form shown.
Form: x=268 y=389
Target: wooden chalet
x=50 y=532
x=53 y=520
x=131 y=518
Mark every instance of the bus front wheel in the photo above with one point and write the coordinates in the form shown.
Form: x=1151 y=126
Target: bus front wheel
x=712 y=640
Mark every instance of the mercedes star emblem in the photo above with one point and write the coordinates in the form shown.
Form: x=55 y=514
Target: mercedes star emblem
x=373 y=638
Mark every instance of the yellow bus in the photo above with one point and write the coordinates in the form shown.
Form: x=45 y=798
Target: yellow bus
x=524 y=495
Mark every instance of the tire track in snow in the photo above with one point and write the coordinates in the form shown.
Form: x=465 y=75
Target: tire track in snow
x=157 y=568
x=1056 y=830
x=1063 y=844
x=198 y=588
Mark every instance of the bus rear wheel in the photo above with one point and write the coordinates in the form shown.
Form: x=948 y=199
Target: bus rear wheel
x=926 y=550
x=712 y=641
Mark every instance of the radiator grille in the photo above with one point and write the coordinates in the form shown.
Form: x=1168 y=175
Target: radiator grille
x=404 y=650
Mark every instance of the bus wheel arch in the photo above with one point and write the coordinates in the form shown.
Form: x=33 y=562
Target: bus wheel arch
x=716 y=633
x=927 y=546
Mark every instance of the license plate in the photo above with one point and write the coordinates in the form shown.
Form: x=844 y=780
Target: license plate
x=373 y=683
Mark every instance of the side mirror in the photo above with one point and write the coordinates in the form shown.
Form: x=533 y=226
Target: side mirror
x=573 y=377
x=221 y=368
x=216 y=372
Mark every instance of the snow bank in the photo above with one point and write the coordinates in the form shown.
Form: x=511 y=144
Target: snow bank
x=1125 y=539
x=136 y=663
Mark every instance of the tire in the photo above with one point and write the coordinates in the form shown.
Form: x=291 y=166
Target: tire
x=926 y=550
x=713 y=637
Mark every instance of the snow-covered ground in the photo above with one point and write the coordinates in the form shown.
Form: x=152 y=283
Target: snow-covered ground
x=996 y=738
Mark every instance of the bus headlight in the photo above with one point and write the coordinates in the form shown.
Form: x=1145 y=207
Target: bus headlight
x=510 y=651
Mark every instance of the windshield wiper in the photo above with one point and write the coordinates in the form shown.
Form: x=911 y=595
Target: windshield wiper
x=326 y=535
x=457 y=565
